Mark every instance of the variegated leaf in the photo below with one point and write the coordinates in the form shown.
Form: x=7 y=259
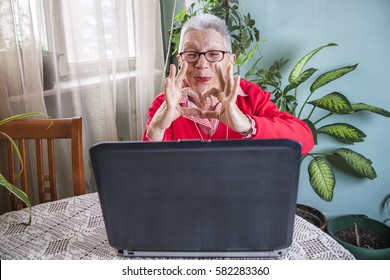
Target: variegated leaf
x=20 y=116
x=377 y=110
x=300 y=79
x=18 y=193
x=322 y=178
x=298 y=68
x=357 y=162
x=331 y=76
x=343 y=132
x=334 y=102
x=15 y=147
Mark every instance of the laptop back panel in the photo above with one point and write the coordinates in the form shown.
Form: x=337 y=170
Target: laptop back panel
x=191 y=198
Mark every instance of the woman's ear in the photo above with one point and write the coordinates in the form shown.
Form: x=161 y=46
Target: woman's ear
x=179 y=61
x=232 y=58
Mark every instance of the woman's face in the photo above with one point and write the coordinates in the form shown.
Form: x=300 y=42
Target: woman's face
x=201 y=75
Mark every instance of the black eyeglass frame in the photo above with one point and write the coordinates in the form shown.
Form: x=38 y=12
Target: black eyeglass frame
x=205 y=55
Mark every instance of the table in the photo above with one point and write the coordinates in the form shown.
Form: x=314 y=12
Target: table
x=73 y=228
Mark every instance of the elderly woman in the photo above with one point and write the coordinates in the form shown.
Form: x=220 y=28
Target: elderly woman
x=204 y=101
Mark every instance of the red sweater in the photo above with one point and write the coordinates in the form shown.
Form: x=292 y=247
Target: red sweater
x=270 y=122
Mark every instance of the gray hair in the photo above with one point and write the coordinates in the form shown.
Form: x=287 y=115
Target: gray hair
x=203 y=22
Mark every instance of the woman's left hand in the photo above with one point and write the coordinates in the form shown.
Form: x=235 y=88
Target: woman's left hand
x=227 y=93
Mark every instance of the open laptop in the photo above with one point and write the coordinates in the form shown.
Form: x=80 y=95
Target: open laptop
x=225 y=198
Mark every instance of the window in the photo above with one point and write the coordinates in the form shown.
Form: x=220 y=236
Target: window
x=91 y=26
x=85 y=34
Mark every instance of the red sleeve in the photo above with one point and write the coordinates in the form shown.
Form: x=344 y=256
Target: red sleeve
x=152 y=110
x=270 y=122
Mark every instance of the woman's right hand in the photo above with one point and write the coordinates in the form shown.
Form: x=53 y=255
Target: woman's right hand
x=170 y=109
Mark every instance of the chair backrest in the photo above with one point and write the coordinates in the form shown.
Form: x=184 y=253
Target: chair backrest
x=41 y=130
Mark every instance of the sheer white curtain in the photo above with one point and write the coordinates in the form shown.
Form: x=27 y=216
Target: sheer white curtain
x=20 y=71
x=149 y=56
x=108 y=67
x=20 y=60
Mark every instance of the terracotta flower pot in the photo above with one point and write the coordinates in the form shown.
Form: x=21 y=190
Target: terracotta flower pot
x=366 y=225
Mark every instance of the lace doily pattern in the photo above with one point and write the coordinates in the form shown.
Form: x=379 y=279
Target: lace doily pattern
x=73 y=228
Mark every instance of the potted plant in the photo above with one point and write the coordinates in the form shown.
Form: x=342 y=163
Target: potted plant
x=3 y=181
x=321 y=173
x=364 y=237
x=320 y=169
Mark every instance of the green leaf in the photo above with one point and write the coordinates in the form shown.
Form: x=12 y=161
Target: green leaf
x=334 y=102
x=181 y=15
x=257 y=35
x=343 y=132
x=17 y=192
x=358 y=162
x=331 y=76
x=300 y=79
x=236 y=37
x=322 y=178
x=377 y=110
x=249 y=55
x=20 y=116
x=16 y=150
x=297 y=70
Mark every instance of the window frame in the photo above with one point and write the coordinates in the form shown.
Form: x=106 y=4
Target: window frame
x=84 y=69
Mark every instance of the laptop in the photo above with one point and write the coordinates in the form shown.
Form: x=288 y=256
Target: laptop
x=224 y=198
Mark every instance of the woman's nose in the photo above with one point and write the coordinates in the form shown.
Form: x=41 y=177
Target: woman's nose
x=202 y=62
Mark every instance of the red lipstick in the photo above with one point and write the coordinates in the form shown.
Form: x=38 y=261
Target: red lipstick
x=202 y=79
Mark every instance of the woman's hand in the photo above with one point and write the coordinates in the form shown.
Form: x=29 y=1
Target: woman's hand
x=170 y=109
x=227 y=93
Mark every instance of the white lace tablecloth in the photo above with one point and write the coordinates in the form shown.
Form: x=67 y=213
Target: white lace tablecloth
x=73 y=228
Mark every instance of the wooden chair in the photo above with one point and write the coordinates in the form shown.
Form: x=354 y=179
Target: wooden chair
x=40 y=130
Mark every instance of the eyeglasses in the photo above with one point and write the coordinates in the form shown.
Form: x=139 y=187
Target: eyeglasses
x=211 y=56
